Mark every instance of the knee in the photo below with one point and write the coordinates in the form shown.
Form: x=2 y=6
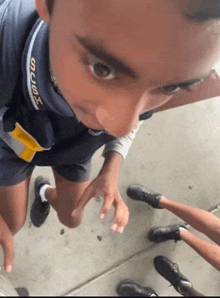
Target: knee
x=69 y=221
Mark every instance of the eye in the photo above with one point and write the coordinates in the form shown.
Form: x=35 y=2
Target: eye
x=183 y=86
x=102 y=70
x=171 y=89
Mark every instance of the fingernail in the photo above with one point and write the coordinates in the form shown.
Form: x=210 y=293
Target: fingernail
x=73 y=213
x=8 y=268
x=114 y=227
x=121 y=230
x=102 y=215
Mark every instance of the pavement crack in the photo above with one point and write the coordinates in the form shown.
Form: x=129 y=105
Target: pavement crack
x=108 y=270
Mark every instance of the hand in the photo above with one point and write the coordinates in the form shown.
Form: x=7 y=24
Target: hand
x=105 y=186
x=7 y=243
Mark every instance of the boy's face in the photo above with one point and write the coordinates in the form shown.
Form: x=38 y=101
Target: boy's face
x=112 y=58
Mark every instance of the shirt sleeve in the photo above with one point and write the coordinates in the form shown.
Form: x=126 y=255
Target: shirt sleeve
x=122 y=144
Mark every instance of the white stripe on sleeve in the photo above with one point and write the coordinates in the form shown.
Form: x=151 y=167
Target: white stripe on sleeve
x=122 y=144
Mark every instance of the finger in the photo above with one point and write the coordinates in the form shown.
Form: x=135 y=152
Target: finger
x=121 y=217
x=86 y=196
x=108 y=201
x=123 y=223
x=8 y=250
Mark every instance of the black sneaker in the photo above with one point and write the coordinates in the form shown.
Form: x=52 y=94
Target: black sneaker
x=170 y=271
x=161 y=234
x=128 y=288
x=139 y=192
x=39 y=209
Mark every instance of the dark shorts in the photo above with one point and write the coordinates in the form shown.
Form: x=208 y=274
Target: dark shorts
x=14 y=170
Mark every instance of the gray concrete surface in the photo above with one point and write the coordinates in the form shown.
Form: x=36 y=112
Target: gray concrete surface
x=177 y=153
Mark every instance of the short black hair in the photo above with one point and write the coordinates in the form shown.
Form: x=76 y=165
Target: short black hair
x=206 y=10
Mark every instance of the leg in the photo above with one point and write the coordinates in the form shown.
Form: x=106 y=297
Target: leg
x=210 y=252
x=203 y=221
x=13 y=204
x=14 y=185
x=64 y=198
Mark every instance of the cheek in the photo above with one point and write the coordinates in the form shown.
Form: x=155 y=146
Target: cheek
x=66 y=67
x=73 y=79
x=70 y=75
x=102 y=114
x=66 y=70
x=156 y=99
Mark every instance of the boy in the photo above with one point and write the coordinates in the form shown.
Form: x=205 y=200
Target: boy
x=80 y=74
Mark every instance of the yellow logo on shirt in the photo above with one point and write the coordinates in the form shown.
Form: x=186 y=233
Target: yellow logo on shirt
x=31 y=146
x=33 y=82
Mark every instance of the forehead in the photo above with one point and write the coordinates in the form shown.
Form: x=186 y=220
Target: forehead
x=149 y=34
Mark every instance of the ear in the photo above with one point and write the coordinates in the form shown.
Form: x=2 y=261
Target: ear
x=42 y=10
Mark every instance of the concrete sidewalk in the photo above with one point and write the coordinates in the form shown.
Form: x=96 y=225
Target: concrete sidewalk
x=177 y=153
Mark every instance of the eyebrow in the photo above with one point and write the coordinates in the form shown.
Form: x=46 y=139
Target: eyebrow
x=100 y=52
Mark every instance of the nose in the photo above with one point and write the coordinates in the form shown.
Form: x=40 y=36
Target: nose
x=118 y=121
